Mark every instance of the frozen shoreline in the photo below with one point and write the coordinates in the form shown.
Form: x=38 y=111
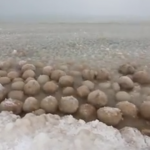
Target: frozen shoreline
x=52 y=132
x=106 y=44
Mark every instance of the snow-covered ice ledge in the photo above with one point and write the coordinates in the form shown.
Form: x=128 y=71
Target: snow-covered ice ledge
x=50 y=132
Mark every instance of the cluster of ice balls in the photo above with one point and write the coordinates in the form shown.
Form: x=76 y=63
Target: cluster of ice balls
x=72 y=90
x=47 y=131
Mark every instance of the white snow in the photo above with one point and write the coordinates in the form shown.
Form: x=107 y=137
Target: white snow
x=51 y=132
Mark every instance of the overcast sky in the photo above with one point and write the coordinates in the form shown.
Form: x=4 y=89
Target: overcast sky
x=11 y=9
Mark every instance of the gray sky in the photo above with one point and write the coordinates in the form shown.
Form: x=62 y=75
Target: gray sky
x=11 y=9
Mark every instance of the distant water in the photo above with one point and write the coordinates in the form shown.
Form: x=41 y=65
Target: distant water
x=73 y=19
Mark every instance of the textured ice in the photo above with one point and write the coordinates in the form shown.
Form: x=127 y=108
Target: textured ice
x=1 y=87
x=51 y=132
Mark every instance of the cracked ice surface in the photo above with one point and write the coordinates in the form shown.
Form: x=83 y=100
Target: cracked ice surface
x=50 y=132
